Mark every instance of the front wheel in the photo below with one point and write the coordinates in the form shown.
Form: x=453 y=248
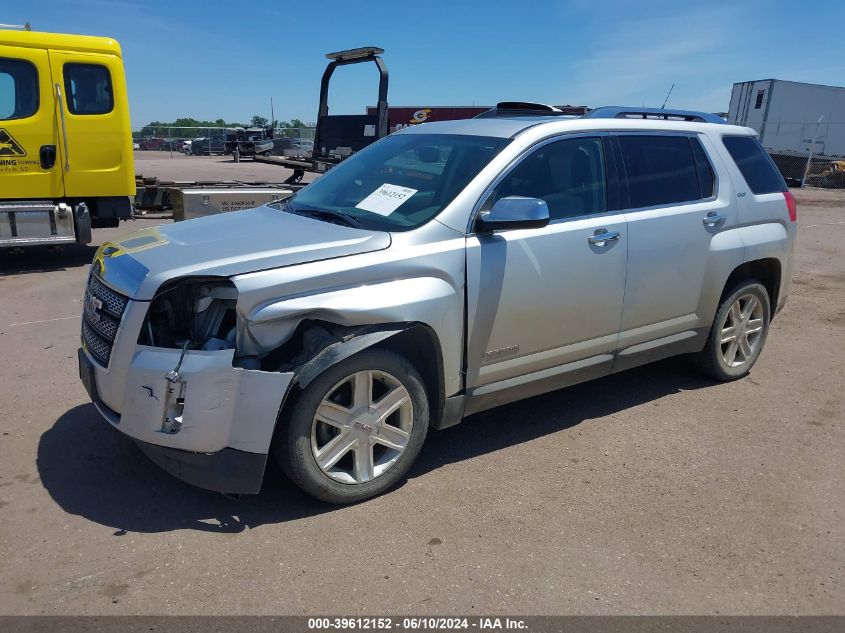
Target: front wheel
x=738 y=333
x=354 y=432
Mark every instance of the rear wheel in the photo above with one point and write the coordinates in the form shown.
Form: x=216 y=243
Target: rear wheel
x=738 y=332
x=354 y=432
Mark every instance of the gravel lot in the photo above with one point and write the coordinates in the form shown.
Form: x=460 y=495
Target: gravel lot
x=181 y=167
x=653 y=491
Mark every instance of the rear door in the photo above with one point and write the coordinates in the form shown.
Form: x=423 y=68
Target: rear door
x=93 y=119
x=676 y=207
x=27 y=126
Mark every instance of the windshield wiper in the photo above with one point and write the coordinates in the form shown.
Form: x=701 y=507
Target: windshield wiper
x=337 y=217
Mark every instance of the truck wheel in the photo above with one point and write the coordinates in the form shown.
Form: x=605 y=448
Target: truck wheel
x=354 y=432
x=738 y=333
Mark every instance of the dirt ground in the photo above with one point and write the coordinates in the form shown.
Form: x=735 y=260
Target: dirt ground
x=648 y=492
x=194 y=168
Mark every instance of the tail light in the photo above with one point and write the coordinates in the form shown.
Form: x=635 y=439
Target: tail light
x=792 y=205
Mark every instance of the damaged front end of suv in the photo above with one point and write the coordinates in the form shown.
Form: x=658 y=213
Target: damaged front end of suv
x=179 y=389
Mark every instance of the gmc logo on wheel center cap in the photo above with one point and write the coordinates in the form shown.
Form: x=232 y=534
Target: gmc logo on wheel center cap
x=363 y=427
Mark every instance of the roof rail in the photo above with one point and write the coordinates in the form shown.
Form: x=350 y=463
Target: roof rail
x=521 y=108
x=620 y=112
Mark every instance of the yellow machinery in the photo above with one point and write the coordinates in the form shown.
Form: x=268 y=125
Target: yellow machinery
x=66 y=162
x=831 y=176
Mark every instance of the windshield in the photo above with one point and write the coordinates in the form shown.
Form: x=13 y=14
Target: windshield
x=398 y=183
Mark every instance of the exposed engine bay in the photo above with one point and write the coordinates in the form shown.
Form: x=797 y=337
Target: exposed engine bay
x=192 y=314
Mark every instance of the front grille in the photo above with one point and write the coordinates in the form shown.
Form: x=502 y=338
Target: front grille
x=101 y=314
x=112 y=302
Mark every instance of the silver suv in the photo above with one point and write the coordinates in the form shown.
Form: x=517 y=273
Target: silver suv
x=444 y=270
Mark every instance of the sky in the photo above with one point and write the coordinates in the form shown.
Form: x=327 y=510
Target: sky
x=212 y=60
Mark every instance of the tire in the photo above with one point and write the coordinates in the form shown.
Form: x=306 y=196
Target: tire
x=753 y=327
x=360 y=454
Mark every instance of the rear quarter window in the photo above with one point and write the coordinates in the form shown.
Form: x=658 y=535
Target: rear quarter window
x=18 y=89
x=88 y=89
x=754 y=163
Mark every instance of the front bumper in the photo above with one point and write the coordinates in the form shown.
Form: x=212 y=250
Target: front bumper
x=230 y=470
x=227 y=419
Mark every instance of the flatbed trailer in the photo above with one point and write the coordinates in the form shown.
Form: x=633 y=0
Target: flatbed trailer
x=299 y=164
x=338 y=136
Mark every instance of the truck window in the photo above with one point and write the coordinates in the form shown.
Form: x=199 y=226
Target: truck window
x=757 y=168
x=569 y=175
x=18 y=89
x=88 y=89
x=661 y=170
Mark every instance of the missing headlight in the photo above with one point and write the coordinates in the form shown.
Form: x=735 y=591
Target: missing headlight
x=198 y=312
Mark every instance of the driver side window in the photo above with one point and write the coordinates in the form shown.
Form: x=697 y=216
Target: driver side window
x=568 y=174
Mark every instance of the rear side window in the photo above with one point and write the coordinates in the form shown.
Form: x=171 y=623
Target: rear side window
x=18 y=89
x=757 y=168
x=665 y=170
x=88 y=89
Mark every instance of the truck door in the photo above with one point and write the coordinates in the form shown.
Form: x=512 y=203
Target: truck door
x=29 y=168
x=93 y=122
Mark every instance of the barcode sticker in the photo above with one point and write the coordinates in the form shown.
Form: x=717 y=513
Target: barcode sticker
x=386 y=199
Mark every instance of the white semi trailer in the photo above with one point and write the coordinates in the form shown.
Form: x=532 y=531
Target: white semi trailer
x=792 y=117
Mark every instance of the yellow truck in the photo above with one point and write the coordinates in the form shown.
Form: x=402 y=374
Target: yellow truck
x=66 y=162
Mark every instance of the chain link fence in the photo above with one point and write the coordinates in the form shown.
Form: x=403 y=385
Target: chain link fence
x=807 y=153
x=210 y=141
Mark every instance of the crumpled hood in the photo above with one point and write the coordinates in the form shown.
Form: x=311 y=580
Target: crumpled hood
x=224 y=245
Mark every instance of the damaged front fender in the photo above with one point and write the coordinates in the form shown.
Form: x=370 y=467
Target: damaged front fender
x=353 y=342
x=374 y=311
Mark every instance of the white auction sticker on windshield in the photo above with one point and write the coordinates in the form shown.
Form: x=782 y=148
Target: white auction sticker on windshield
x=386 y=199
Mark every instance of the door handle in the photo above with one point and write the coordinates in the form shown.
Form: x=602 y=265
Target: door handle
x=64 y=128
x=47 y=156
x=602 y=237
x=713 y=218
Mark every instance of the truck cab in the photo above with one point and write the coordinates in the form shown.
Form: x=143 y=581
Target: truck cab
x=66 y=162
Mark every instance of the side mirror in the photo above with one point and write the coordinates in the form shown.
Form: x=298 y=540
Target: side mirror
x=513 y=212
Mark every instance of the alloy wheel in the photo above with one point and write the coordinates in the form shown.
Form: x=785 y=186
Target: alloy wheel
x=362 y=426
x=741 y=331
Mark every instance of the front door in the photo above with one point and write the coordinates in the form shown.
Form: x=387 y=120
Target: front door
x=27 y=126
x=546 y=303
x=93 y=119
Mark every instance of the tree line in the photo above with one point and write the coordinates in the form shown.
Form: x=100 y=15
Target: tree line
x=182 y=126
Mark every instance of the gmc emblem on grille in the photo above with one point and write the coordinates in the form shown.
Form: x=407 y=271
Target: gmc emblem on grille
x=94 y=305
